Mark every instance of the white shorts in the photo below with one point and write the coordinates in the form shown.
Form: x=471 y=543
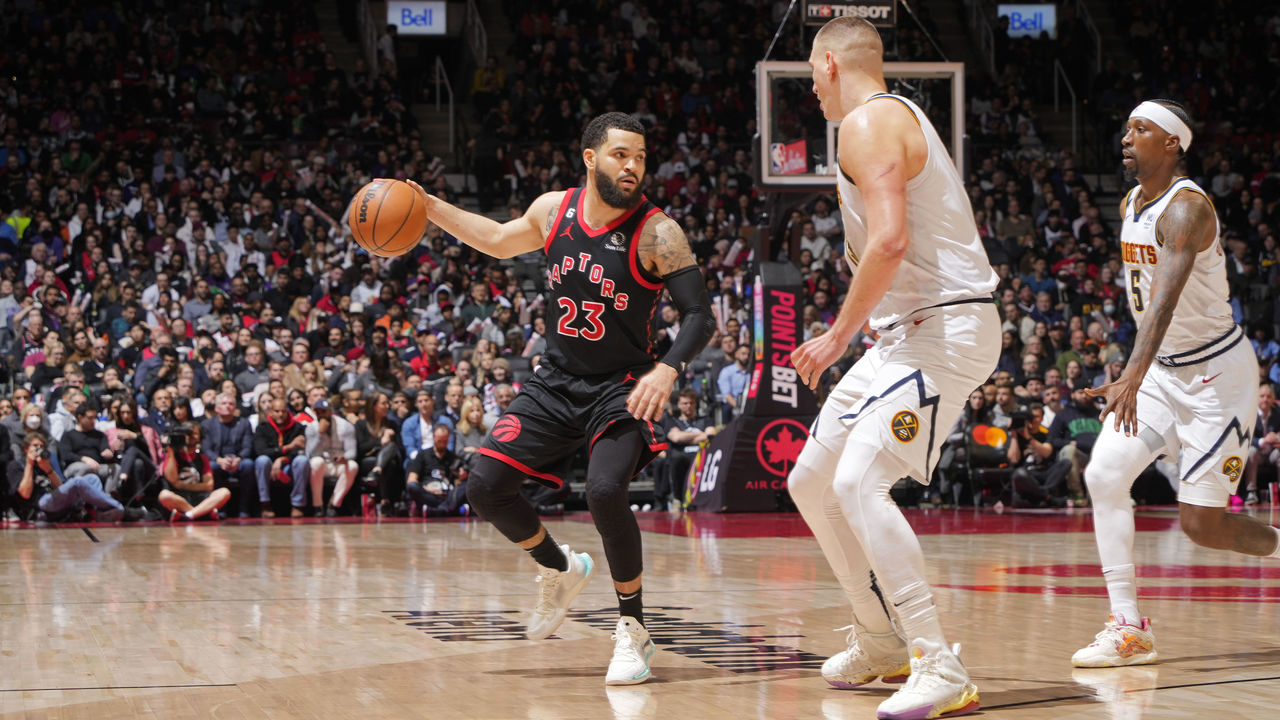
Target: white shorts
x=1205 y=415
x=906 y=392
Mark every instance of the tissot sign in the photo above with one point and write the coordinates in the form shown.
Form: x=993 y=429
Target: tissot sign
x=880 y=14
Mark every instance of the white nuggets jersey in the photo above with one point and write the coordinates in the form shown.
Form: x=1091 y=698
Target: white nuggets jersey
x=1202 y=322
x=945 y=261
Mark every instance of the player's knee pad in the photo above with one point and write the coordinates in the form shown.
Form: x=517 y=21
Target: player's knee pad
x=492 y=484
x=602 y=491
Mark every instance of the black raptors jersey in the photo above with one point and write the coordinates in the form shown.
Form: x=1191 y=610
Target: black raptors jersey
x=602 y=301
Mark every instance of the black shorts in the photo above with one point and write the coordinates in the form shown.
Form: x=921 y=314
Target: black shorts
x=191 y=496
x=555 y=414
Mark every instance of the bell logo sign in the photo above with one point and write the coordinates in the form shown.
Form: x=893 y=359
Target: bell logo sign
x=421 y=17
x=1030 y=20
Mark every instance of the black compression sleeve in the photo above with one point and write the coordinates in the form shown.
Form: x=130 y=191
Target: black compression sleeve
x=697 y=323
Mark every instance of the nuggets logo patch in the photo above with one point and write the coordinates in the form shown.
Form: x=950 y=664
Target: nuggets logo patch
x=1231 y=468
x=904 y=426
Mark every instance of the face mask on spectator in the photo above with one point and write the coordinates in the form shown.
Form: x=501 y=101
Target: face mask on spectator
x=33 y=421
x=175 y=314
x=1109 y=309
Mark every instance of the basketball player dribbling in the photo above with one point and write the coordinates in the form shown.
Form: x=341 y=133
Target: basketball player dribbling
x=1189 y=390
x=610 y=254
x=922 y=280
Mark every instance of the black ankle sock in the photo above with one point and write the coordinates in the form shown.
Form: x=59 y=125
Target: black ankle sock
x=548 y=554
x=631 y=605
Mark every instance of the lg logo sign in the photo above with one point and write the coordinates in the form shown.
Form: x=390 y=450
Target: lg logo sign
x=710 y=471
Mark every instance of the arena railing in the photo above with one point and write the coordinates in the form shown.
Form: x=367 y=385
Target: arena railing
x=442 y=76
x=1082 y=12
x=984 y=33
x=369 y=33
x=477 y=36
x=1060 y=78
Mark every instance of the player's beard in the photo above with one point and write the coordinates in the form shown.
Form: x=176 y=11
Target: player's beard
x=613 y=194
x=1131 y=171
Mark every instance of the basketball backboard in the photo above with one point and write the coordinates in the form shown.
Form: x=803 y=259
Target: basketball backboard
x=798 y=146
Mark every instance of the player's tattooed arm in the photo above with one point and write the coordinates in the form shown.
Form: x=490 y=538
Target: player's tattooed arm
x=552 y=212
x=664 y=248
x=1187 y=227
x=664 y=251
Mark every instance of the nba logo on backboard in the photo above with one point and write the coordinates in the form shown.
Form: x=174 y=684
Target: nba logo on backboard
x=788 y=158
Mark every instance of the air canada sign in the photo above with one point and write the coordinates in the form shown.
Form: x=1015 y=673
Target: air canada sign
x=880 y=14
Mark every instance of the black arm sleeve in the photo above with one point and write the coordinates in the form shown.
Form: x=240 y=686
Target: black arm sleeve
x=697 y=323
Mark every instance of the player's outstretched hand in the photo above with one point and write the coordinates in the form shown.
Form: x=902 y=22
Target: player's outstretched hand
x=421 y=192
x=649 y=396
x=814 y=357
x=1122 y=401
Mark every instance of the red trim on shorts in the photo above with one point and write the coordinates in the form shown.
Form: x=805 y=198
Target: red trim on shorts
x=653 y=444
x=496 y=455
x=592 y=232
x=633 y=253
x=551 y=234
x=596 y=437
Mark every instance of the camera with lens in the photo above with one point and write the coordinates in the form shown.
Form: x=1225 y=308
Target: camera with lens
x=176 y=438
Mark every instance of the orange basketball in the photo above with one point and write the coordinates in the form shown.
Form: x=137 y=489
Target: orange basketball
x=388 y=217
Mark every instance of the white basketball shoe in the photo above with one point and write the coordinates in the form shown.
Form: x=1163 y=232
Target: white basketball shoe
x=1120 y=643
x=938 y=687
x=866 y=658
x=556 y=590
x=632 y=650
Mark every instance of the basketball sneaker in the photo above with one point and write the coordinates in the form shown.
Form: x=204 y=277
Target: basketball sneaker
x=556 y=590
x=938 y=687
x=866 y=658
x=632 y=650
x=1120 y=643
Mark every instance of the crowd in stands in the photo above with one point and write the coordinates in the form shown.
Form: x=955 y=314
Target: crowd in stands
x=190 y=331
x=1062 y=292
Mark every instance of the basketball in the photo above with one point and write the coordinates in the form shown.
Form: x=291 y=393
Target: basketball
x=388 y=217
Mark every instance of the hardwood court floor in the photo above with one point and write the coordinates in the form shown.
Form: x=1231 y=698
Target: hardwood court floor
x=413 y=620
